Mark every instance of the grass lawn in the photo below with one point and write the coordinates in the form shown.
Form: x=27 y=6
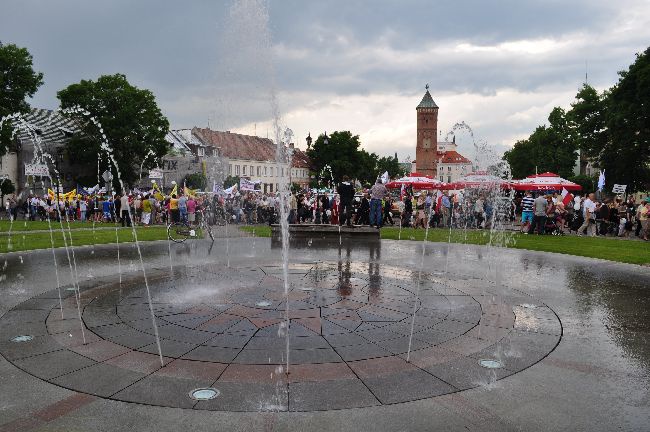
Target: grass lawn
x=627 y=251
x=23 y=225
x=29 y=241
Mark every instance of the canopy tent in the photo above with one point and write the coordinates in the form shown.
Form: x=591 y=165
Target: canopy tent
x=418 y=182
x=545 y=182
x=480 y=180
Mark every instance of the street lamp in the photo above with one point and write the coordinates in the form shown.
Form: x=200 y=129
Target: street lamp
x=326 y=139
x=309 y=140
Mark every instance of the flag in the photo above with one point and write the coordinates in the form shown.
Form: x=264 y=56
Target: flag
x=567 y=197
x=402 y=192
x=601 y=180
x=174 y=190
x=384 y=177
x=189 y=192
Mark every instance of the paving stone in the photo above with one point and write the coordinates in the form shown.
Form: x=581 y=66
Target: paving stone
x=360 y=352
x=465 y=372
x=212 y=354
x=54 y=364
x=100 y=379
x=406 y=386
x=247 y=397
x=328 y=395
x=163 y=391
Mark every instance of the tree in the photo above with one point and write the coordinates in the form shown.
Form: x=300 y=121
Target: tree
x=626 y=154
x=549 y=148
x=17 y=82
x=587 y=118
x=6 y=187
x=230 y=181
x=588 y=183
x=341 y=153
x=390 y=164
x=132 y=122
x=196 y=181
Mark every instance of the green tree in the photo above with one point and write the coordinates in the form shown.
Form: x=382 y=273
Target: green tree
x=626 y=154
x=587 y=118
x=367 y=171
x=230 y=181
x=549 y=148
x=18 y=80
x=390 y=164
x=6 y=187
x=132 y=122
x=196 y=181
x=341 y=153
x=588 y=183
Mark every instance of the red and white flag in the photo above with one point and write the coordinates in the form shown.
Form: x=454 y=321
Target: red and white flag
x=567 y=197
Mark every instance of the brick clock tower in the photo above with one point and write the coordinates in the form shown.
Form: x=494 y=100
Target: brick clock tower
x=427 y=139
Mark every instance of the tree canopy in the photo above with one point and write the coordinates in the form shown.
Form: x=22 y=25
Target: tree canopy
x=343 y=153
x=550 y=148
x=18 y=81
x=612 y=129
x=132 y=122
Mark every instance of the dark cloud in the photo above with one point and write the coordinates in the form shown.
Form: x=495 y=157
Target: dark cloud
x=209 y=60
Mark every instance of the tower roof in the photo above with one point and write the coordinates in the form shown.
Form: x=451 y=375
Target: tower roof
x=427 y=101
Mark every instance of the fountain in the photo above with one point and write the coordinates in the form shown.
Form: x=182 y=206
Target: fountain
x=296 y=324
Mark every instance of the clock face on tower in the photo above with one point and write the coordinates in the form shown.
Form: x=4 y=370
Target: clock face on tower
x=426 y=143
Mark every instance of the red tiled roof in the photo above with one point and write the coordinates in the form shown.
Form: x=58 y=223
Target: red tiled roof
x=452 y=157
x=300 y=159
x=246 y=147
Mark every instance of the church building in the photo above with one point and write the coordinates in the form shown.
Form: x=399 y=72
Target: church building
x=438 y=159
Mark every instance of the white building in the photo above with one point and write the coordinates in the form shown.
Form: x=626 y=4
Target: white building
x=451 y=164
x=254 y=158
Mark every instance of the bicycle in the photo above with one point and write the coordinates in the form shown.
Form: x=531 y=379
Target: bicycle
x=178 y=232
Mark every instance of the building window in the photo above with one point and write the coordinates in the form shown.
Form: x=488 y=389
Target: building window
x=200 y=151
x=449 y=169
x=252 y=171
x=271 y=187
x=259 y=170
x=442 y=178
x=448 y=179
x=236 y=170
x=282 y=172
x=229 y=169
x=243 y=170
x=265 y=174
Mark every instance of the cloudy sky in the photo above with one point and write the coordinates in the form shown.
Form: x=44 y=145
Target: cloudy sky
x=358 y=65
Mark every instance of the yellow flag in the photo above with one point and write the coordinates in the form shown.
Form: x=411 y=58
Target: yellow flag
x=175 y=190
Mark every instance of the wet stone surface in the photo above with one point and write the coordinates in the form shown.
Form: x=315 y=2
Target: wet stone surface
x=349 y=337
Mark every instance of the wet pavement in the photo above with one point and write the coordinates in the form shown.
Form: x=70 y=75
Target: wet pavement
x=569 y=335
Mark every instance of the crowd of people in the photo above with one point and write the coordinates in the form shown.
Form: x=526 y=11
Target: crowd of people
x=585 y=215
x=375 y=206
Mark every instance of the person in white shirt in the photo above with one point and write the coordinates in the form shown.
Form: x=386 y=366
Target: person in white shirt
x=589 y=213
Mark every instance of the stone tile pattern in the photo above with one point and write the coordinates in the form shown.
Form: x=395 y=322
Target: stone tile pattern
x=349 y=332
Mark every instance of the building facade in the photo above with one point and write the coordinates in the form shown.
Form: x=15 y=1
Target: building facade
x=427 y=135
x=254 y=158
x=438 y=159
x=451 y=165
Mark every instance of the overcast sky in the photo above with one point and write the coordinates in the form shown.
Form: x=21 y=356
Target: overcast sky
x=358 y=65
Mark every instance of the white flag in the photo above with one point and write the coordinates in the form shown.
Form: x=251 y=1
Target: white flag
x=601 y=180
x=384 y=177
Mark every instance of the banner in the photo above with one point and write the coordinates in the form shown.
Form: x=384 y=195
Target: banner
x=155 y=174
x=619 y=189
x=248 y=185
x=37 y=170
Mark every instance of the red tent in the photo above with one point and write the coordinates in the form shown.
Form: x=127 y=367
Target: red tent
x=545 y=182
x=418 y=182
